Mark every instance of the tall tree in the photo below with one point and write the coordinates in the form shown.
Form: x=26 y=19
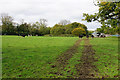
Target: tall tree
x=5 y=18
x=57 y=30
x=43 y=23
x=23 y=29
x=7 y=24
x=40 y=28
x=108 y=15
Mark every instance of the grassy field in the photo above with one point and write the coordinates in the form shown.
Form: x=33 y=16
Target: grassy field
x=32 y=57
x=29 y=57
x=107 y=56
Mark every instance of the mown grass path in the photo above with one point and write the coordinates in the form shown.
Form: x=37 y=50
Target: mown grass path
x=86 y=69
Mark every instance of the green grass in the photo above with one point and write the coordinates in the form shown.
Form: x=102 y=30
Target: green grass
x=73 y=61
x=107 y=55
x=0 y=57
x=29 y=57
x=70 y=70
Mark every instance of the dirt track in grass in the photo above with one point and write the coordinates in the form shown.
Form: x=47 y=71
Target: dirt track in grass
x=62 y=60
x=64 y=57
x=86 y=69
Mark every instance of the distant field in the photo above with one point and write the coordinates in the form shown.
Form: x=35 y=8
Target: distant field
x=37 y=57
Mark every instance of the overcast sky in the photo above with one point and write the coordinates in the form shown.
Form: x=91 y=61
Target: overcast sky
x=52 y=10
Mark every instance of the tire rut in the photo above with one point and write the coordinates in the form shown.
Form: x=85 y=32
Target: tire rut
x=86 y=69
x=62 y=60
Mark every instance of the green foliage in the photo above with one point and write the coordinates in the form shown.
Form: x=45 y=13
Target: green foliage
x=8 y=29
x=90 y=32
x=39 y=28
x=23 y=29
x=44 y=30
x=7 y=24
x=79 y=25
x=108 y=15
x=100 y=30
x=108 y=30
x=57 y=30
x=66 y=29
x=79 y=31
x=11 y=28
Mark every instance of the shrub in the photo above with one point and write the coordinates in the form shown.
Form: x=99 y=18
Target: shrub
x=78 y=31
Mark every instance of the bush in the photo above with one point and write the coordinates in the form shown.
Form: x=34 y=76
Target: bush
x=78 y=31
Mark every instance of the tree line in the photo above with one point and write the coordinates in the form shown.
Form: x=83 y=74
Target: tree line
x=64 y=27
x=108 y=15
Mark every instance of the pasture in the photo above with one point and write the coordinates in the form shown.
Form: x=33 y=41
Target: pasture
x=63 y=57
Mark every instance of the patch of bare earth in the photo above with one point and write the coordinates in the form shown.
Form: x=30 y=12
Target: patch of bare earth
x=62 y=60
x=86 y=69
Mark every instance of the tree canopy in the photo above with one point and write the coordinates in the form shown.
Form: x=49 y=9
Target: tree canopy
x=67 y=29
x=79 y=31
x=108 y=16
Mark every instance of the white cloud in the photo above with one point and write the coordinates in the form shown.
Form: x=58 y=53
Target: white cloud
x=52 y=10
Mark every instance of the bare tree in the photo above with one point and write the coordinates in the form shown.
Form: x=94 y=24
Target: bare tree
x=43 y=23
x=5 y=18
x=64 y=22
x=22 y=21
x=7 y=24
x=40 y=24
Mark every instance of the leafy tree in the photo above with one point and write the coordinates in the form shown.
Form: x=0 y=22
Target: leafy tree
x=75 y=25
x=100 y=30
x=108 y=14
x=47 y=30
x=6 y=19
x=70 y=27
x=66 y=29
x=107 y=11
x=23 y=29
x=57 y=30
x=44 y=30
x=78 y=31
x=43 y=23
x=7 y=24
x=40 y=28
x=10 y=28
